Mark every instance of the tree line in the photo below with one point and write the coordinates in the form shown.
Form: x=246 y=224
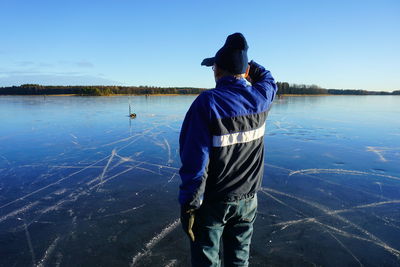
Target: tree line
x=36 y=89
x=283 y=88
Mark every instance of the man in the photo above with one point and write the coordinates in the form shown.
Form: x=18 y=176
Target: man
x=222 y=154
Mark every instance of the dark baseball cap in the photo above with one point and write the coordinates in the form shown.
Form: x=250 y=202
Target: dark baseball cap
x=232 y=56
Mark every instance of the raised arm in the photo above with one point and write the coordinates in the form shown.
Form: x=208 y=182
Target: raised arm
x=262 y=80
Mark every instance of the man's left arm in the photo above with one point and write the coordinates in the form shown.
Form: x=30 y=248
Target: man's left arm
x=195 y=143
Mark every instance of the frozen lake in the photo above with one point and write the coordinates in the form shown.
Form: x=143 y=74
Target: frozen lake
x=81 y=184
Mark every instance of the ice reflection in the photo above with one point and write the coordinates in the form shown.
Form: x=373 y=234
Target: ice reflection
x=94 y=187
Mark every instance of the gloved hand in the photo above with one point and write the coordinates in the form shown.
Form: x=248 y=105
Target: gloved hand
x=187 y=221
x=255 y=72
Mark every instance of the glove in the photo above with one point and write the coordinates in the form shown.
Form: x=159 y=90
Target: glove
x=255 y=72
x=187 y=221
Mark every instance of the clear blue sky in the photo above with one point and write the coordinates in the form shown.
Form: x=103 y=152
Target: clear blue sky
x=332 y=43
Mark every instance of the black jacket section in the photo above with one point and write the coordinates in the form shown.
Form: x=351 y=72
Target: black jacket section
x=238 y=124
x=235 y=171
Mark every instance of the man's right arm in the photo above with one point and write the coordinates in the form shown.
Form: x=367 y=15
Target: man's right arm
x=262 y=80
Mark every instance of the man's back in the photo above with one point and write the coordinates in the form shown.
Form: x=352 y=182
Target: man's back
x=233 y=117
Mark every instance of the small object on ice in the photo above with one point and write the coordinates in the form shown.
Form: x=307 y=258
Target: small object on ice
x=131 y=115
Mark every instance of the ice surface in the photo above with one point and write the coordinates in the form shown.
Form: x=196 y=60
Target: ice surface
x=82 y=184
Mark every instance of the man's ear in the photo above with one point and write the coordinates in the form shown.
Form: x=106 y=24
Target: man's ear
x=217 y=72
x=247 y=71
x=246 y=75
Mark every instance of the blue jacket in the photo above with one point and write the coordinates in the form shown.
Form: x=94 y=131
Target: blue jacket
x=221 y=140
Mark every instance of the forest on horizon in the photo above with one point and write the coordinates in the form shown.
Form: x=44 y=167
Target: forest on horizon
x=284 y=88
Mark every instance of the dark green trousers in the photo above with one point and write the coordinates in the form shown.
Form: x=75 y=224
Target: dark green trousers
x=223 y=224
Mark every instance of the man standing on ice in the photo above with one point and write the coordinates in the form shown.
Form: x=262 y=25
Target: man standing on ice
x=222 y=154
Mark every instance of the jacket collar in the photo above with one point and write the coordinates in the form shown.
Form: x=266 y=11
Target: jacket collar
x=230 y=81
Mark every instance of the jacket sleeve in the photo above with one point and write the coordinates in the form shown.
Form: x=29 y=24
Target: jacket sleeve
x=263 y=81
x=194 y=143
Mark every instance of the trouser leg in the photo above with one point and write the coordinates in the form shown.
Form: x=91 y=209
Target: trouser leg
x=236 y=242
x=237 y=234
x=208 y=228
x=205 y=249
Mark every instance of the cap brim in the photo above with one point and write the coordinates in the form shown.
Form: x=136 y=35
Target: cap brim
x=208 y=61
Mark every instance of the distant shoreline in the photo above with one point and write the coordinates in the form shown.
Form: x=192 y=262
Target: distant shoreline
x=284 y=89
x=100 y=95
x=280 y=95
x=36 y=89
